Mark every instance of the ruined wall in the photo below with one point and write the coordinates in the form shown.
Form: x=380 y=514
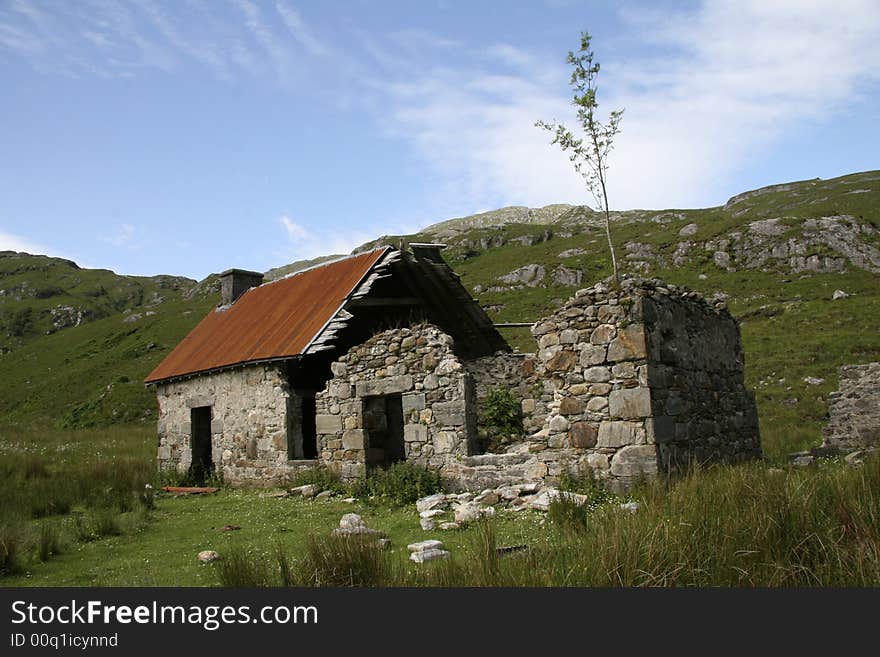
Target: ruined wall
x=248 y=427
x=627 y=383
x=855 y=410
x=509 y=371
x=437 y=395
x=701 y=410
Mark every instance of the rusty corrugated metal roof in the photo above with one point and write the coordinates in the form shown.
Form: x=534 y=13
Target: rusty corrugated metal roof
x=275 y=320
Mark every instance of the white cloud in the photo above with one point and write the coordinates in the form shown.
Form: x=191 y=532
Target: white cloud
x=122 y=236
x=306 y=243
x=11 y=242
x=715 y=88
x=295 y=232
x=300 y=31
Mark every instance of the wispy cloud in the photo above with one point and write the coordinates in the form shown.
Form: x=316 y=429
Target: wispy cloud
x=124 y=236
x=300 y=31
x=305 y=243
x=715 y=87
x=12 y=242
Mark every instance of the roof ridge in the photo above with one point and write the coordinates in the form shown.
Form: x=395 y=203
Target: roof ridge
x=326 y=263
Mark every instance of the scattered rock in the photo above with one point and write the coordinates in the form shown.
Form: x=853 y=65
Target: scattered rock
x=632 y=507
x=384 y=543
x=230 y=528
x=814 y=381
x=688 y=230
x=309 y=490
x=352 y=524
x=487 y=498
x=435 y=501
x=207 y=556
x=429 y=555
x=449 y=525
x=801 y=459
x=421 y=546
x=277 y=493
x=839 y=294
x=426 y=524
x=323 y=495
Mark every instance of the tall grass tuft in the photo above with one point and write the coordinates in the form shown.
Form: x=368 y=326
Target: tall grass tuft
x=240 y=568
x=13 y=539
x=345 y=561
x=49 y=541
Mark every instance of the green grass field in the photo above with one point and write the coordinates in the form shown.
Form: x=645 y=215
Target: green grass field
x=748 y=525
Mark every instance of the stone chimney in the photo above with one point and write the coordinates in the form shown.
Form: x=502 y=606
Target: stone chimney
x=235 y=282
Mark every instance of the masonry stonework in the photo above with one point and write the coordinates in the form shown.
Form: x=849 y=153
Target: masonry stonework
x=855 y=410
x=248 y=423
x=626 y=383
x=416 y=364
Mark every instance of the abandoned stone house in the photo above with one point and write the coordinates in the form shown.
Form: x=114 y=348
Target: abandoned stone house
x=384 y=356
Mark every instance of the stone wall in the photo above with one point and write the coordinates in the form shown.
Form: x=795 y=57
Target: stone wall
x=700 y=408
x=437 y=394
x=509 y=371
x=627 y=383
x=855 y=410
x=248 y=427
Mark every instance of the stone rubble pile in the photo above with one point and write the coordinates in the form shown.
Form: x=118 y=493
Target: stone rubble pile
x=435 y=510
x=353 y=525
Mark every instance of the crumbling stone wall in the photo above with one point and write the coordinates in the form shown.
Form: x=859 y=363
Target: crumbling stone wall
x=248 y=423
x=437 y=393
x=627 y=383
x=855 y=410
x=700 y=408
x=508 y=371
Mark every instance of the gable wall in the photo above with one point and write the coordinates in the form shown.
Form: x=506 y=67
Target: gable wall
x=437 y=395
x=248 y=427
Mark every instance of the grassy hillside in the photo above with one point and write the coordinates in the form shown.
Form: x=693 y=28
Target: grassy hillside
x=77 y=343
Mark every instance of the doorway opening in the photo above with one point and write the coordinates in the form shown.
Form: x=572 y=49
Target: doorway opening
x=309 y=428
x=383 y=426
x=202 y=459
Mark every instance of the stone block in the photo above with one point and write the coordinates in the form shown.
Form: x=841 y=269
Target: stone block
x=597 y=374
x=390 y=385
x=603 y=334
x=597 y=404
x=558 y=424
x=599 y=462
x=630 y=403
x=562 y=361
x=571 y=406
x=449 y=413
x=629 y=344
x=328 y=424
x=592 y=354
x=582 y=435
x=444 y=442
x=353 y=439
x=635 y=461
x=618 y=434
x=415 y=433
x=413 y=402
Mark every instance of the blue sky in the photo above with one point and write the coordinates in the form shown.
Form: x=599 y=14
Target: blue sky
x=189 y=136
